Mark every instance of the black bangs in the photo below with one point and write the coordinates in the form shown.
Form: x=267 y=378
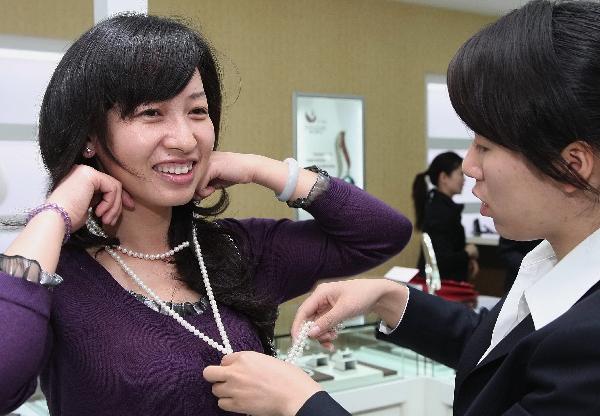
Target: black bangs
x=151 y=59
x=505 y=82
x=124 y=61
x=508 y=85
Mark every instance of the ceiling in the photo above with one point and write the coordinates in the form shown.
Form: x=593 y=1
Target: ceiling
x=490 y=7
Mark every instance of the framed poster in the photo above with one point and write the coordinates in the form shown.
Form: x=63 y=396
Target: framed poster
x=329 y=133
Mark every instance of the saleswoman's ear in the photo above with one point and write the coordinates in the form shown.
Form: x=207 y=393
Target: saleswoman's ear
x=581 y=158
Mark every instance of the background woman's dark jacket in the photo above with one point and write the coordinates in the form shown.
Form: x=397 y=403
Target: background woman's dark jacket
x=442 y=222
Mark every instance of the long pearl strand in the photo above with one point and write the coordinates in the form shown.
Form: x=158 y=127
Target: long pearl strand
x=297 y=349
x=159 y=256
x=226 y=347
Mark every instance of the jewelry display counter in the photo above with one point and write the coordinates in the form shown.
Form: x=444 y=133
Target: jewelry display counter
x=375 y=378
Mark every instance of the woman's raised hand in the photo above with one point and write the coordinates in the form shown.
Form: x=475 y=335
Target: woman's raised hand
x=225 y=169
x=42 y=238
x=82 y=188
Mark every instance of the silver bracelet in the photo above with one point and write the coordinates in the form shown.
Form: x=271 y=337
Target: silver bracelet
x=321 y=185
x=50 y=279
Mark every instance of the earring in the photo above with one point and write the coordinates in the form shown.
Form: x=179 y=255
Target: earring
x=88 y=152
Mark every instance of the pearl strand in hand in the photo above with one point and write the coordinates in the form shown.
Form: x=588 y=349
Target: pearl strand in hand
x=297 y=349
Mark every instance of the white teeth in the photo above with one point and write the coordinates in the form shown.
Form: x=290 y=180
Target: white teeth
x=175 y=169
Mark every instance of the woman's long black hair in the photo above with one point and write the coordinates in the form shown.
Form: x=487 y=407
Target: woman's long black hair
x=531 y=83
x=122 y=62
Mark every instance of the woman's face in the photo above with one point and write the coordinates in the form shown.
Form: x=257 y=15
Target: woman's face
x=455 y=181
x=523 y=203
x=164 y=147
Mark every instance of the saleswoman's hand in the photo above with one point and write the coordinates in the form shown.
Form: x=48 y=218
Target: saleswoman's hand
x=252 y=383
x=332 y=303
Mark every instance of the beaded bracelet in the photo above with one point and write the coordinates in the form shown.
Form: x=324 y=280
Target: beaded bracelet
x=64 y=214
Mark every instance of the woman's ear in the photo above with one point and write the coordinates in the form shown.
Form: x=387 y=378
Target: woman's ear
x=581 y=159
x=443 y=177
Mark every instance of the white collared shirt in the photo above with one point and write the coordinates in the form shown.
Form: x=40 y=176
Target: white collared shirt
x=546 y=288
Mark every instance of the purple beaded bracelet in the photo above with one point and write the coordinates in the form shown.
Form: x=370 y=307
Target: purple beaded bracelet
x=64 y=214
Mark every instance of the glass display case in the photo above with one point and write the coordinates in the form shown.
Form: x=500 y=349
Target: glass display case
x=369 y=376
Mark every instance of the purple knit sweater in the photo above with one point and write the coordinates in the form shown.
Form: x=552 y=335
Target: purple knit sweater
x=100 y=351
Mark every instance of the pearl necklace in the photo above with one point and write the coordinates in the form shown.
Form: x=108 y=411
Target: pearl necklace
x=159 y=256
x=296 y=350
x=226 y=347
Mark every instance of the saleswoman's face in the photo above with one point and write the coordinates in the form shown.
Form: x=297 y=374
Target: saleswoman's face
x=523 y=203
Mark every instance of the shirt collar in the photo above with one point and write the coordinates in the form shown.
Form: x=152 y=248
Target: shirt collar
x=560 y=284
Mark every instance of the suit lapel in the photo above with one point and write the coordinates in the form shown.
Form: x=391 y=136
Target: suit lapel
x=524 y=328
x=468 y=369
x=479 y=342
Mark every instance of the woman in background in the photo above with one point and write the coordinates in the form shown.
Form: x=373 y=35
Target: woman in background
x=439 y=216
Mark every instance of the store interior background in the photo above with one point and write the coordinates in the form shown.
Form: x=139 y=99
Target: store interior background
x=381 y=50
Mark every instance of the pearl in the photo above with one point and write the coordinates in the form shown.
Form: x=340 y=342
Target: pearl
x=297 y=349
x=158 y=256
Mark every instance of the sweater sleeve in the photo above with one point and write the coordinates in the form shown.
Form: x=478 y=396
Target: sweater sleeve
x=24 y=325
x=351 y=232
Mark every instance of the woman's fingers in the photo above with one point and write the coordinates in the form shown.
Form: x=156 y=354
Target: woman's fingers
x=127 y=200
x=109 y=208
x=322 y=307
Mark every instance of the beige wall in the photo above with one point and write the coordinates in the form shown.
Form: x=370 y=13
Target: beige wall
x=61 y=19
x=377 y=49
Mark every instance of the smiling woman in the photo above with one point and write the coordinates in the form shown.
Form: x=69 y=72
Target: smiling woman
x=147 y=287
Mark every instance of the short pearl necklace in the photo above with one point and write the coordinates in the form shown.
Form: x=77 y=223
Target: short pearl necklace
x=226 y=347
x=159 y=256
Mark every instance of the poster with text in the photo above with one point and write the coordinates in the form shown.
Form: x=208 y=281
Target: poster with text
x=329 y=133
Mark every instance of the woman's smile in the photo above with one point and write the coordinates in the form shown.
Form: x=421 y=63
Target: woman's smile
x=177 y=172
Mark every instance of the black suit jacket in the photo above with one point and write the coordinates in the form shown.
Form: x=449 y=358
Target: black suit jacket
x=552 y=371
x=441 y=220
